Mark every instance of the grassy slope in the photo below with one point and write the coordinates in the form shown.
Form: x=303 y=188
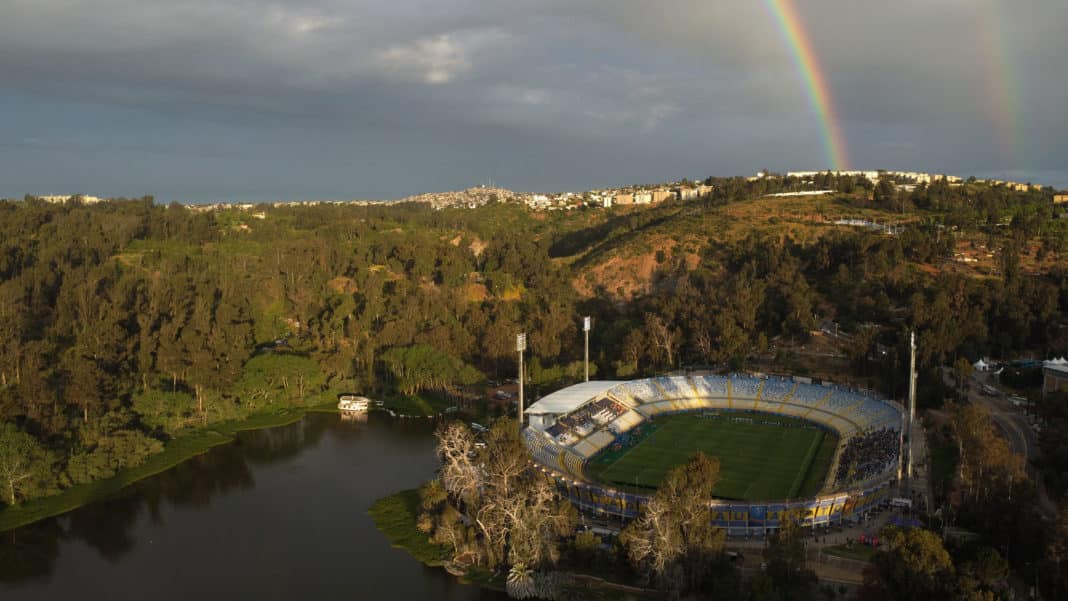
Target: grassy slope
x=176 y=451
x=395 y=516
x=419 y=404
x=858 y=552
x=606 y=254
x=757 y=461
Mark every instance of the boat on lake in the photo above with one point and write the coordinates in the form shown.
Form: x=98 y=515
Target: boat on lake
x=351 y=403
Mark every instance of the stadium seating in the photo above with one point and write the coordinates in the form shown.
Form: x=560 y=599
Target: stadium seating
x=641 y=391
x=675 y=387
x=776 y=389
x=809 y=395
x=543 y=450
x=745 y=387
x=867 y=455
x=867 y=426
x=840 y=400
x=712 y=387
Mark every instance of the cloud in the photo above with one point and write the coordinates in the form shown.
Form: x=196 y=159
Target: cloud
x=646 y=87
x=438 y=59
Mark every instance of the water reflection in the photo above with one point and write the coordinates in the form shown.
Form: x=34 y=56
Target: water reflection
x=280 y=511
x=28 y=553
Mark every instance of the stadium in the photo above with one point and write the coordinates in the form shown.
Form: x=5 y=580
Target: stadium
x=787 y=446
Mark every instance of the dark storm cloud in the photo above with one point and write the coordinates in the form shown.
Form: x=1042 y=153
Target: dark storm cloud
x=256 y=99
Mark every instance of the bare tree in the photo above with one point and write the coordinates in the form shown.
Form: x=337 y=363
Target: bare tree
x=459 y=471
x=674 y=541
x=517 y=514
x=653 y=541
x=663 y=337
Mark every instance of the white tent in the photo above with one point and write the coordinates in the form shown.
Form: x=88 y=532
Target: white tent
x=981 y=365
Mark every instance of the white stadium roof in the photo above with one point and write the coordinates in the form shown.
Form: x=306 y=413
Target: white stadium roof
x=568 y=399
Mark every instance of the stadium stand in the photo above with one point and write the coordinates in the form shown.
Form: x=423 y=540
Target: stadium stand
x=745 y=387
x=867 y=427
x=776 y=389
x=809 y=395
x=840 y=400
x=867 y=455
x=712 y=387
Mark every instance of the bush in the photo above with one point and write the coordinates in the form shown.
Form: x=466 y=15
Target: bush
x=119 y=450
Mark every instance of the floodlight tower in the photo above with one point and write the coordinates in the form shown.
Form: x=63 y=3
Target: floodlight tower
x=520 y=346
x=912 y=399
x=586 y=332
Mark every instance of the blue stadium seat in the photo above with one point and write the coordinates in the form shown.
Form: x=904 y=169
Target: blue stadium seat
x=744 y=387
x=776 y=389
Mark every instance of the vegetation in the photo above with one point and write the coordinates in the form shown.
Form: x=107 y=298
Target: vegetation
x=127 y=328
x=914 y=564
x=488 y=507
x=174 y=452
x=856 y=552
x=673 y=541
x=396 y=517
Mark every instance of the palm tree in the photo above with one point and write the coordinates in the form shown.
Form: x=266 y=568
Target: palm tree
x=520 y=583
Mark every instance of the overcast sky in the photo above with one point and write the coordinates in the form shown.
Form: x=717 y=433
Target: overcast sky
x=198 y=100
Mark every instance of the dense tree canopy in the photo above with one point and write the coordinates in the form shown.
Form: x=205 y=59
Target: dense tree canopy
x=159 y=319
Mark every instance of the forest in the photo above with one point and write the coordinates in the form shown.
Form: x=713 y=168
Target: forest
x=128 y=324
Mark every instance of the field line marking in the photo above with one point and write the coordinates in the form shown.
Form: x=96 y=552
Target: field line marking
x=806 y=465
x=628 y=452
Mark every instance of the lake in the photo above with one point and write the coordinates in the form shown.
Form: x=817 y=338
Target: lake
x=279 y=514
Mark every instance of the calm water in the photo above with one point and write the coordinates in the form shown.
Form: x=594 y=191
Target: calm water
x=279 y=514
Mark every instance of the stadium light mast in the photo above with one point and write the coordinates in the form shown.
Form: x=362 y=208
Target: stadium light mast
x=912 y=398
x=520 y=346
x=586 y=355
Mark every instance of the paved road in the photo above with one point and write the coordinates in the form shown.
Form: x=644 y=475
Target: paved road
x=1013 y=424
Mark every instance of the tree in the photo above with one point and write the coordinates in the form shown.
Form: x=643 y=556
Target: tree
x=662 y=337
x=673 y=541
x=988 y=468
x=520 y=583
x=962 y=369
x=24 y=463
x=423 y=367
x=785 y=558
x=517 y=514
x=913 y=565
x=884 y=191
x=461 y=476
x=986 y=571
x=1057 y=553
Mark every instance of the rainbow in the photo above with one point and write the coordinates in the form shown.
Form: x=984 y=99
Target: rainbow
x=1000 y=93
x=819 y=93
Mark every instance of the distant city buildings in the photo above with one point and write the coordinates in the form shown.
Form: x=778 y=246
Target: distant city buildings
x=686 y=193
x=59 y=198
x=605 y=198
x=905 y=179
x=916 y=177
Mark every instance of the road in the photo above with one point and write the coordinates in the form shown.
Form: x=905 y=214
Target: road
x=1013 y=424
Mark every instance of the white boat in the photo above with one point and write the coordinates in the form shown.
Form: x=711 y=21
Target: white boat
x=350 y=403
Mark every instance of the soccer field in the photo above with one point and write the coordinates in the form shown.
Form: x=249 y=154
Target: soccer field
x=758 y=461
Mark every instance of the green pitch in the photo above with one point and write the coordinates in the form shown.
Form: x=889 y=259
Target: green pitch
x=758 y=461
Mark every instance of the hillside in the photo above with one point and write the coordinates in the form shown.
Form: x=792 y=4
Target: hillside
x=127 y=325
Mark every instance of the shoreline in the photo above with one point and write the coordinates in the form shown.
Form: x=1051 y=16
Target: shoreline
x=175 y=452
x=395 y=517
